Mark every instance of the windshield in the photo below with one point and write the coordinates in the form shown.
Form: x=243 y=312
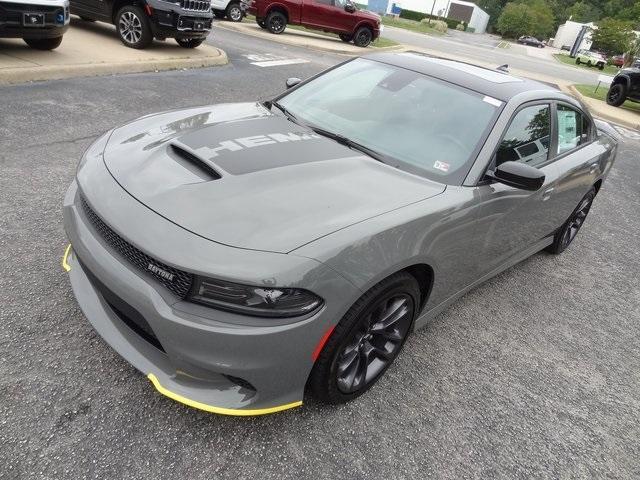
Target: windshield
x=412 y=121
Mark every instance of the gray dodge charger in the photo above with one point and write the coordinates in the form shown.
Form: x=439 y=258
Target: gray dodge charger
x=241 y=254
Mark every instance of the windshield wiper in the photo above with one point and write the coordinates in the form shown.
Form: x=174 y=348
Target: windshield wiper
x=286 y=112
x=347 y=142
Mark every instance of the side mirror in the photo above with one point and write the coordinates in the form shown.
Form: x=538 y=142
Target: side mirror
x=292 y=82
x=518 y=175
x=350 y=7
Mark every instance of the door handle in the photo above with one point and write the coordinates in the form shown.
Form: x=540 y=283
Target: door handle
x=547 y=194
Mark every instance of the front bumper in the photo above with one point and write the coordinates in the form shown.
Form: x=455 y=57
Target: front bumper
x=208 y=359
x=173 y=21
x=12 y=20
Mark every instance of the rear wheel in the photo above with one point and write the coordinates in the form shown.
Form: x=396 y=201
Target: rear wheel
x=276 y=22
x=565 y=235
x=44 y=43
x=363 y=37
x=133 y=27
x=366 y=341
x=617 y=94
x=234 y=12
x=345 y=37
x=189 y=42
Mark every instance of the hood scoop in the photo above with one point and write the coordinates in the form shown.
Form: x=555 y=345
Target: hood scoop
x=192 y=162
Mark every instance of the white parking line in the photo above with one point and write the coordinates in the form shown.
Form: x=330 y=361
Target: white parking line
x=276 y=63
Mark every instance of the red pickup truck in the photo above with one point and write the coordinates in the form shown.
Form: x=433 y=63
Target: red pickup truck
x=335 y=16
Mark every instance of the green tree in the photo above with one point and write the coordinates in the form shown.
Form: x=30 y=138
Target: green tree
x=613 y=36
x=583 y=12
x=515 y=20
x=543 y=21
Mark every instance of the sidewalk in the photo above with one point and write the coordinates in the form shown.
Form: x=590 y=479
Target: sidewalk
x=301 y=38
x=90 y=49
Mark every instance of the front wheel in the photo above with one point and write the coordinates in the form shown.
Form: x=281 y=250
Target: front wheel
x=276 y=22
x=366 y=341
x=565 y=235
x=189 y=42
x=44 y=43
x=617 y=94
x=234 y=12
x=345 y=37
x=133 y=27
x=363 y=37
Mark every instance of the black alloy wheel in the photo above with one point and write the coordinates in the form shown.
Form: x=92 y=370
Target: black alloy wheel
x=567 y=233
x=133 y=27
x=363 y=37
x=366 y=341
x=189 y=42
x=617 y=94
x=276 y=22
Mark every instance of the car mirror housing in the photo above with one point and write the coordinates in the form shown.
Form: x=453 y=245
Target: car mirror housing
x=518 y=175
x=292 y=82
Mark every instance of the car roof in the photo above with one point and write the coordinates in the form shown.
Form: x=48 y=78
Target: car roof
x=494 y=83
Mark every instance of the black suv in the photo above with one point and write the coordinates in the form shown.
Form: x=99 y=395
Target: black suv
x=625 y=86
x=139 y=21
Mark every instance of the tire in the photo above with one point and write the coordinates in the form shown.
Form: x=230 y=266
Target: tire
x=617 y=94
x=219 y=13
x=567 y=233
x=276 y=22
x=334 y=378
x=600 y=67
x=234 y=12
x=44 y=43
x=363 y=37
x=345 y=37
x=577 y=61
x=133 y=27
x=589 y=63
x=87 y=19
x=189 y=42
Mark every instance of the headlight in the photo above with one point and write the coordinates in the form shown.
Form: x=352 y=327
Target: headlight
x=255 y=301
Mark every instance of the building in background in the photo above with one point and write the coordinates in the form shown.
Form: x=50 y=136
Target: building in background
x=468 y=12
x=569 y=33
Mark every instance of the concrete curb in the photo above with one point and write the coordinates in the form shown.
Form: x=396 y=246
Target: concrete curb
x=55 y=72
x=317 y=42
x=597 y=109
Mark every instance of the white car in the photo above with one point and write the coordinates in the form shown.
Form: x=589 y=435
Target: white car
x=40 y=23
x=228 y=8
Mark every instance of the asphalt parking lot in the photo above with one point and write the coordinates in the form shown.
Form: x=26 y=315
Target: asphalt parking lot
x=535 y=374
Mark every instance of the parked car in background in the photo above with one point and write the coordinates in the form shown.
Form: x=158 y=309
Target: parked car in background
x=532 y=41
x=336 y=16
x=231 y=9
x=625 y=86
x=617 y=61
x=138 y=22
x=591 y=59
x=40 y=23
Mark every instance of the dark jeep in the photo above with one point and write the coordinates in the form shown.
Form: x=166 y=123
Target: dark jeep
x=625 y=86
x=139 y=21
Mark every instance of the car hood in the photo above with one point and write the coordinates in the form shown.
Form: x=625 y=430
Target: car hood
x=241 y=176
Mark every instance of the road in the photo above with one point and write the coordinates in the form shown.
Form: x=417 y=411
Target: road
x=486 y=51
x=535 y=374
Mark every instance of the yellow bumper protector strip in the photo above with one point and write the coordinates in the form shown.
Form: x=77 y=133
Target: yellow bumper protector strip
x=65 y=265
x=220 y=410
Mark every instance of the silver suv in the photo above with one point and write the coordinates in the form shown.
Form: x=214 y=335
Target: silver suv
x=41 y=24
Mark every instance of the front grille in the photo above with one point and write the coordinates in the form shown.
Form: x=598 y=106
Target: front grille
x=195 y=5
x=178 y=281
